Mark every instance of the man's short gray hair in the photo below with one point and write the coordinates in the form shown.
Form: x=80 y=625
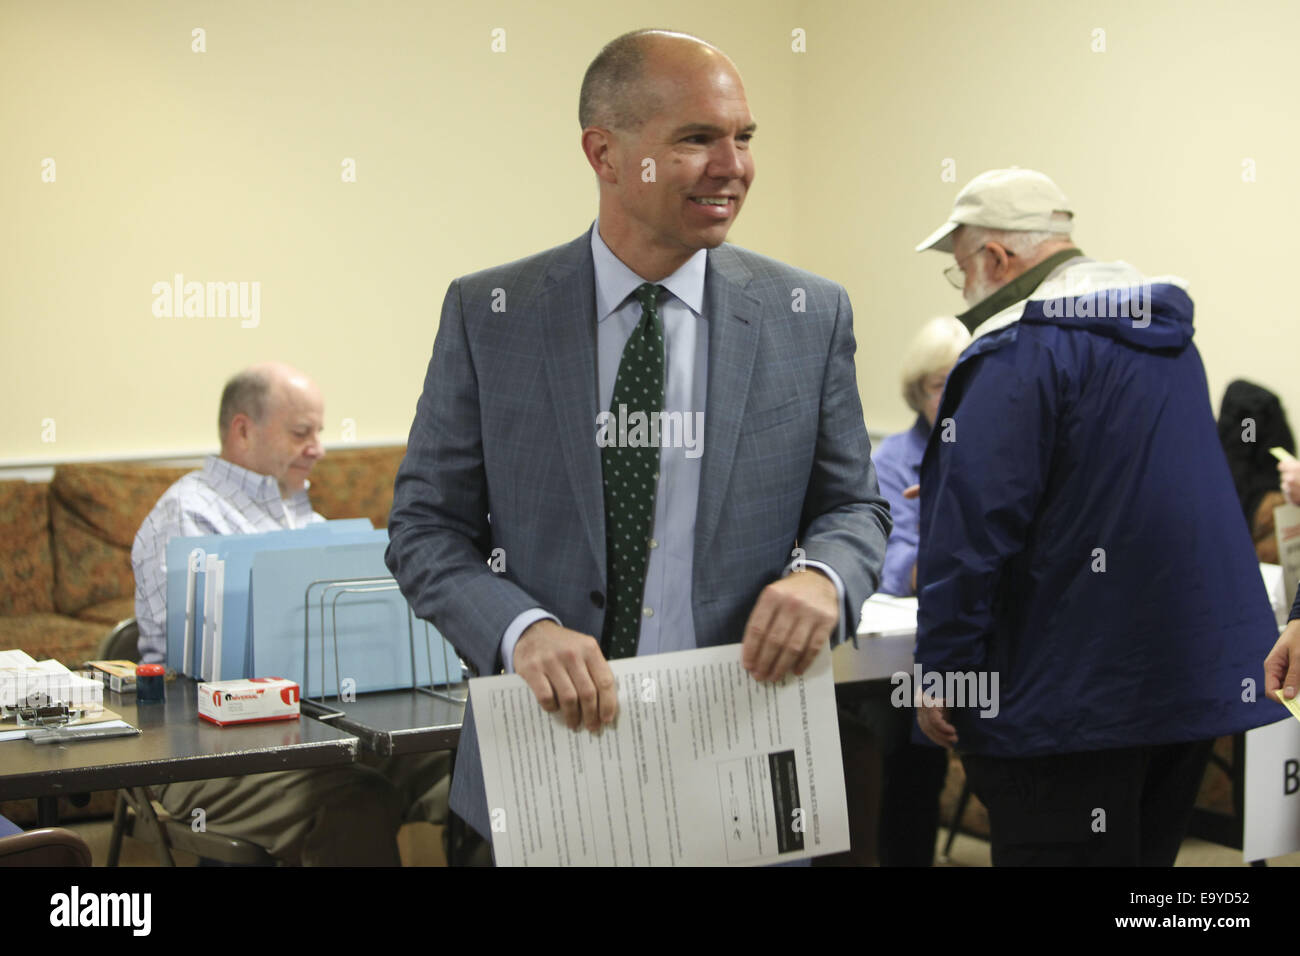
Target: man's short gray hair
x=613 y=94
x=248 y=393
x=1023 y=244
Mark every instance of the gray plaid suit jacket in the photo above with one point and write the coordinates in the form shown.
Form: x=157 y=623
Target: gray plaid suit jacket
x=506 y=427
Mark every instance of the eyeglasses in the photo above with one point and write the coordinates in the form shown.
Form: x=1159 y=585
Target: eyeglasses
x=955 y=274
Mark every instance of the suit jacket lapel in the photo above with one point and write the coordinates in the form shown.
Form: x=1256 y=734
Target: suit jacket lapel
x=734 y=317
x=567 y=306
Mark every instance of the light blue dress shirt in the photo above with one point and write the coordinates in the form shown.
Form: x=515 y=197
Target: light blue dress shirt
x=667 y=622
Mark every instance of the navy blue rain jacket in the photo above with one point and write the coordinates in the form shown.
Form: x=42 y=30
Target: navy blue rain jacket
x=1081 y=536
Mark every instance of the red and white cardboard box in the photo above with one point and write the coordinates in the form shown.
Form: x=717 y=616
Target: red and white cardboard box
x=248 y=700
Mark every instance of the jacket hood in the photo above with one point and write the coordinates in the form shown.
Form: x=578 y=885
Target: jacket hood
x=1108 y=298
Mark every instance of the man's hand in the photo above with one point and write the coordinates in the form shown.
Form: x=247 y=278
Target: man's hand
x=1290 y=472
x=912 y=491
x=567 y=672
x=791 y=621
x=933 y=718
x=1282 y=666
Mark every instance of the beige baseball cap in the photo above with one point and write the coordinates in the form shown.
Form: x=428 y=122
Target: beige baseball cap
x=1015 y=198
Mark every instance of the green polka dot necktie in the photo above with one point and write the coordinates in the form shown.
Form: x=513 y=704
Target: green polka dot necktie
x=631 y=472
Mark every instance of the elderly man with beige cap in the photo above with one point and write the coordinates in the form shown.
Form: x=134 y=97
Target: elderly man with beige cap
x=1004 y=223
x=1074 y=553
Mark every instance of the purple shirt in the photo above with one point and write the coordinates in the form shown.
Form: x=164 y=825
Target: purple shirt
x=898 y=465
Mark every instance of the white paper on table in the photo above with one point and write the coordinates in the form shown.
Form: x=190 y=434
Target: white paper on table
x=1275 y=585
x=40 y=682
x=704 y=766
x=21 y=733
x=16 y=659
x=888 y=616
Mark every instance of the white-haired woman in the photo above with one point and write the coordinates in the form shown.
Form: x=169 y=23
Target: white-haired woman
x=926 y=364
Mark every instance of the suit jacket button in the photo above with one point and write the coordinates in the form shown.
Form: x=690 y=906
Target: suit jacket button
x=598 y=600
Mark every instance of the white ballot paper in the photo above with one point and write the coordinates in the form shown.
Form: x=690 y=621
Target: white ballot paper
x=704 y=766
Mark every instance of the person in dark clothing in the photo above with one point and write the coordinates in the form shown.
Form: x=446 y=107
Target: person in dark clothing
x=1251 y=421
x=1118 y=622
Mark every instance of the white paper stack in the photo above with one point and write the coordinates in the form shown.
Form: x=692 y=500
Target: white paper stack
x=27 y=682
x=11 y=659
x=1275 y=583
x=884 y=615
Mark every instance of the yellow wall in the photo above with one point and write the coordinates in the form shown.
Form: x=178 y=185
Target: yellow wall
x=1147 y=139
x=226 y=166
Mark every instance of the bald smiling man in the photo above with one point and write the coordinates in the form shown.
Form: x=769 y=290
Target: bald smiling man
x=617 y=546
x=270 y=422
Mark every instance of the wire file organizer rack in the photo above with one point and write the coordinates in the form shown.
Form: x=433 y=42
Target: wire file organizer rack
x=329 y=591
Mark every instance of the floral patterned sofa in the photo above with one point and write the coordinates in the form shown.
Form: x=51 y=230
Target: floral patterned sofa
x=65 y=545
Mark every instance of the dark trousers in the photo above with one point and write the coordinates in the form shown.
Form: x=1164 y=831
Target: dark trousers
x=892 y=784
x=909 y=803
x=1125 y=807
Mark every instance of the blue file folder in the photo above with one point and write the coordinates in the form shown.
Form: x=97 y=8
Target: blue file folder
x=237 y=551
x=367 y=631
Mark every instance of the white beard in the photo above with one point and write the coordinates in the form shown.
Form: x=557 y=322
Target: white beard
x=980 y=290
